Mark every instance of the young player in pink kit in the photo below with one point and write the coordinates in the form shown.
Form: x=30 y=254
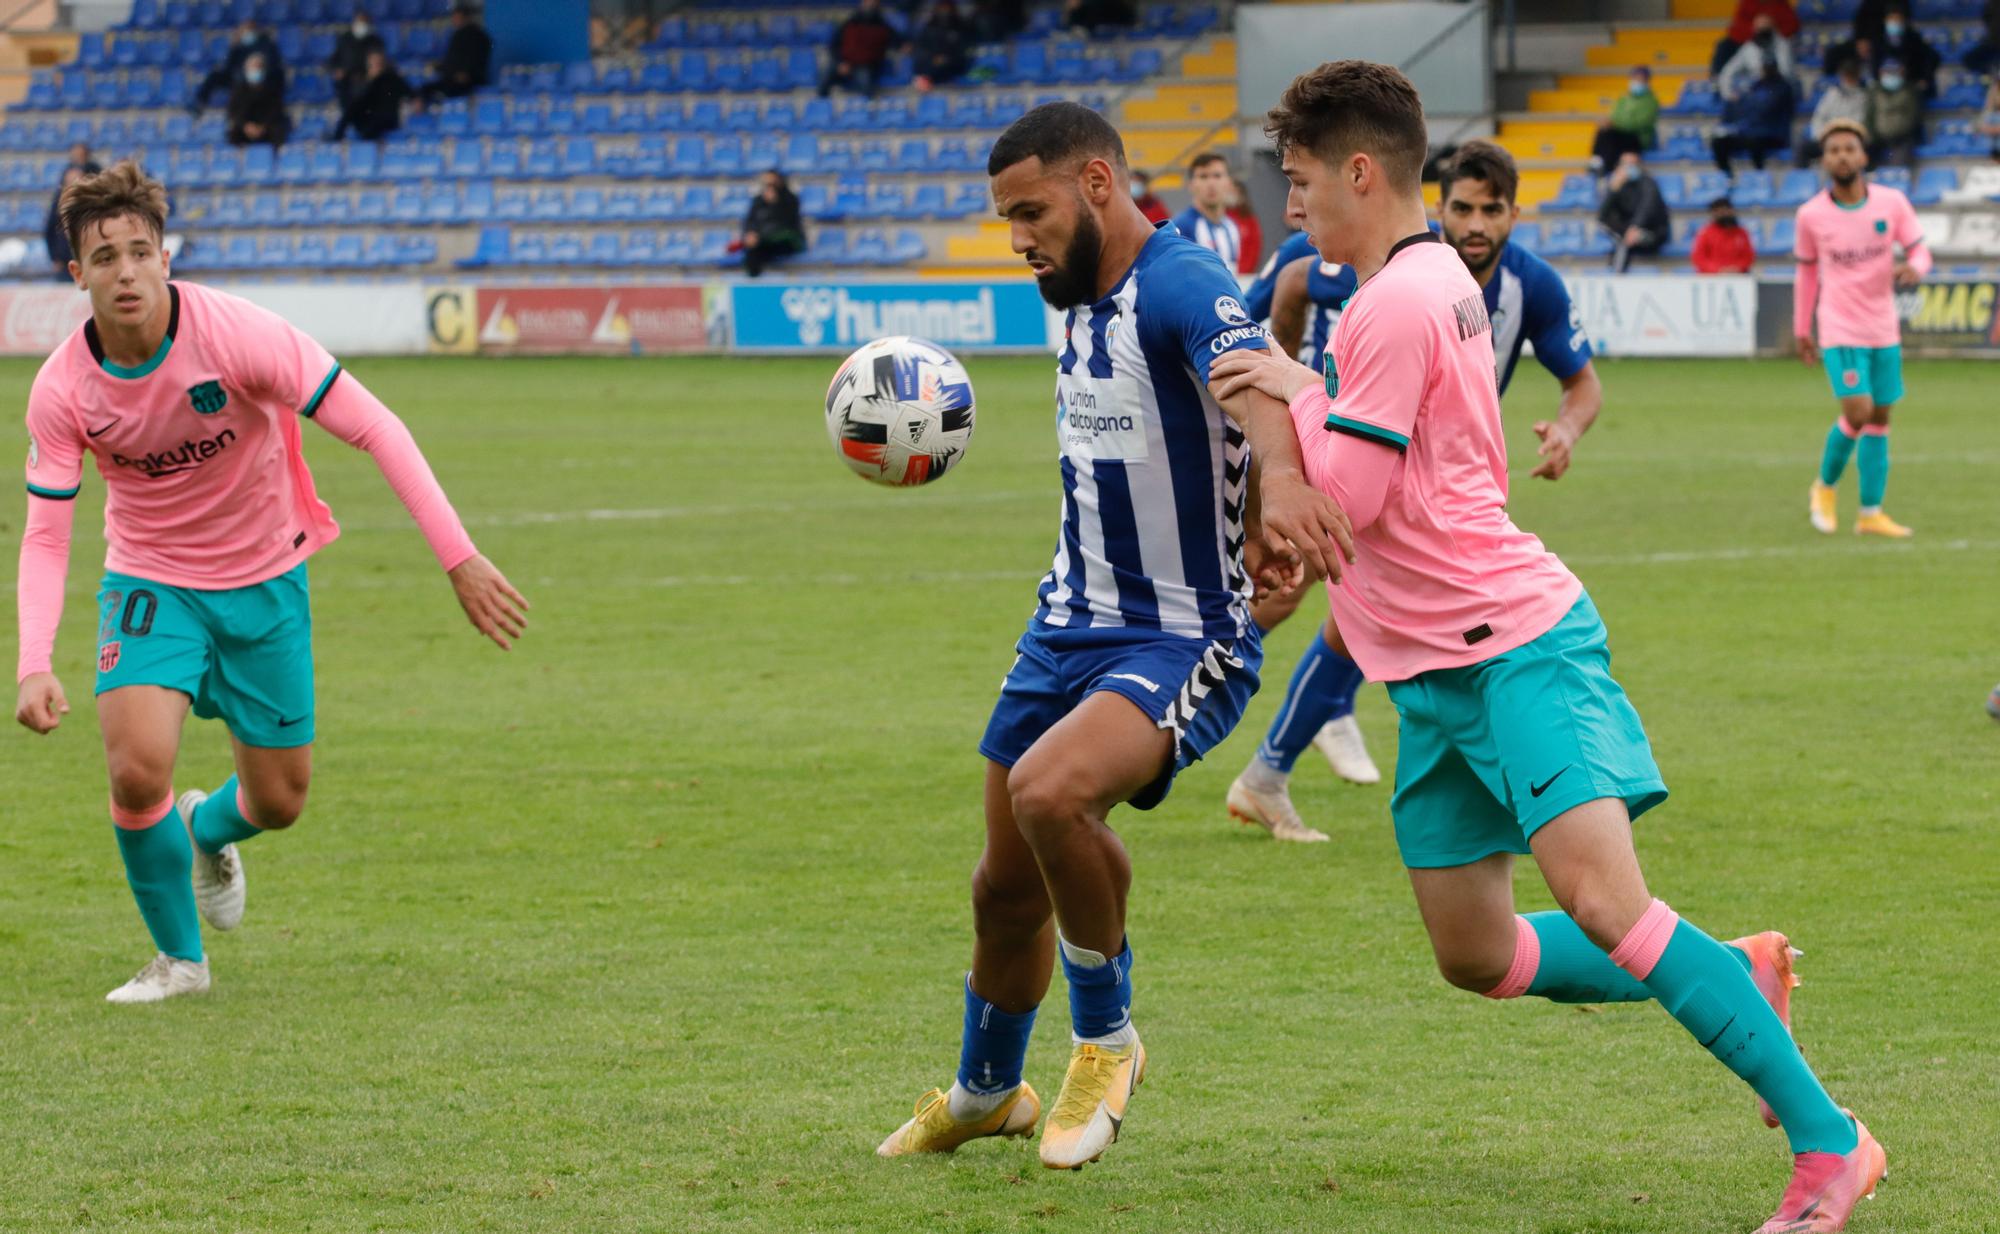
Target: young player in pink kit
x=1848 y=271
x=1514 y=737
x=190 y=401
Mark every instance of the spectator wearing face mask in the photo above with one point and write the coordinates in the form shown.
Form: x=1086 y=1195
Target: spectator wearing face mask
x=773 y=227
x=1895 y=118
x=1845 y=98
x=1783 y=18
x=257 y=112
x=1633 y=125
x=1722 y=246
x=245 y=41
x=1634 y=212
x=376 y=109
x=348 y=66
x=1757 y=122
x=467 y=63
x=1901 y=43
x=940 y=52
x=1149 y=204
x=1747 y=66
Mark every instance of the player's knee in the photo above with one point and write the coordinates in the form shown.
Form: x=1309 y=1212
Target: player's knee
x=1042 y=803
x=139 y=780
x=1473 y=971
x=275 y=811
x=1604 y=918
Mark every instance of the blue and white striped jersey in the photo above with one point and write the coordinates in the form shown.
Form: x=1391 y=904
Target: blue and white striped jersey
x=1153 y=472
x=1328 y=286
x=1527 y=302
x=1224 y=239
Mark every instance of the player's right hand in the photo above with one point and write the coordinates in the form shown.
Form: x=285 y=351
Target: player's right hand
x=1808 y=351
x=1300 y=519
x=490 y=601
x=41 y=705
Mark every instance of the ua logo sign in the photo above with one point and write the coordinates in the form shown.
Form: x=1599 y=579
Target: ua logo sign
x=208 y=397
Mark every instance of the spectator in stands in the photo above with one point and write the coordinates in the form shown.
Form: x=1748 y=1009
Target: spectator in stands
x=1895 y=118
x=468 y=58
x=1758 y=122
x=79 y=156
x=1207 y=221
x=348 y=66
x=996 y=21
x=1845 y=98
x=1149 y=204
x=1721 y=246
x=1983 y=56
x=861 y=46
x=1746 y=68
x=1633 y=125
x=257 y=114
x=54 y=234
x=1099 y=14
x=773 y=227
x=1870 y=17
x=1250 y=252
x=246 y=41
x=1901 y=42
x=1780 y=13
x=1634 y=213
x=376 y=108
x=1989 y=116
x=941 y=47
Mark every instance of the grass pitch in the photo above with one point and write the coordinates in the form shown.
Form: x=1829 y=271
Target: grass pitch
x=658 y=922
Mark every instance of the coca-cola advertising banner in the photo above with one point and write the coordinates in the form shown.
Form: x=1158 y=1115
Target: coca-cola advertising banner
x=35 y=317
x=571 y=320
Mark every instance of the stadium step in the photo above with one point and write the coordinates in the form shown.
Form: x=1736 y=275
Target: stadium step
x=1655 y=46
x=1716 y=11
x=1183 y=104
x=987 y=245
x=1551 y=139
x=1537 y=187
x=1594 y=95
x=1167 y=148
x=1218 y=60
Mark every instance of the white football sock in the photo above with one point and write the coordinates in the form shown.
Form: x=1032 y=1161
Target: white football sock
x=970 y=1107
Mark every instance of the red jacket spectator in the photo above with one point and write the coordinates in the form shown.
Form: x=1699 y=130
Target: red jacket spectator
x=1148 y=202
x=1781 y=13
x=1251 y=254
x=1723 y=250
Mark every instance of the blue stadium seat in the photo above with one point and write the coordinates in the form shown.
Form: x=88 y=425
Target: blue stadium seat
x=566 y=249
x=604 y=249
x=336 y=207
x=927 y=201
x=631 y=118
x=1932 y=184
x=299 y=210
x=1797 y=186
x=406 y=205
x=908 y=246
x=725 y=157
x=293 y=166
x=1752 y=188
x=869 y=248
x=815 y=202
x=690 y=156
x=371 y=206
x=579 y=157
x=595 y=118
x=529 y=248
x=621 y=205
x=476 y=200
x=699 y=203
x=364 y=162
x=511 y=204
x=801 y=155
x=548 y=205
x=312 y=251
x=275 y=253
x=238 y=253
x=542 y=162
x=1784 y=235
x=660 y=204
x=970 y=199
x=642 y=248
x=586 y=205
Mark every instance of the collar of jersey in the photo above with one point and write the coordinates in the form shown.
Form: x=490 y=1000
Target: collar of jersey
x=159 y=356
x=1843 y=205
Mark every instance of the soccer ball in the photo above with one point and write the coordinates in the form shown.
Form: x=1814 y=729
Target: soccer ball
x=899 y=411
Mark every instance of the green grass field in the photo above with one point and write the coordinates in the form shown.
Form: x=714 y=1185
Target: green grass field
x=657 y=923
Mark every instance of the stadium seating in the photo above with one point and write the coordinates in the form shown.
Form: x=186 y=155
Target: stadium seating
x=648 y=157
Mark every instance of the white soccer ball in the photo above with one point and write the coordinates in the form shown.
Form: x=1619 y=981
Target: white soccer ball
x=899 y=411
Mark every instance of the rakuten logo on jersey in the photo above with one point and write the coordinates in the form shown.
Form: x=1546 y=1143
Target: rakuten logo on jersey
x=187 y=456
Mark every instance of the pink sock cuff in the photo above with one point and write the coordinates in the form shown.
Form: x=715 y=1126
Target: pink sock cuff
x=1846 y=430
x=1527 y=961
x=139 y=820
x=243 y=804
x=1875 y=430
x=1647 y=941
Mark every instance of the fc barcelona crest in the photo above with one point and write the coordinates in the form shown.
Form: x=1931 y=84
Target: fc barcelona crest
x=1332 y=377
x=208 y=397
x=107 y=657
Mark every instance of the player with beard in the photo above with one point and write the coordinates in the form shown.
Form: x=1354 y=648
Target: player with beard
x=1141 y=654
x=1847 y=282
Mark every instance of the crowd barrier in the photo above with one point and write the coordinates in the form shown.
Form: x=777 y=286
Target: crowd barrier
x=1631 y=315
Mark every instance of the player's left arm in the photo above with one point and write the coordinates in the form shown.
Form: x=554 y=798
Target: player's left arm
x=1291 y=306
x=1916 y=261
x=349 y=411
x=1562 y=348
x=1201 y=322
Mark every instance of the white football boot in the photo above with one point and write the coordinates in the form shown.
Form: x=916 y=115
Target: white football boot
x=162 y=978
x=218 y=879
x=1273 y=811
x=1340 y=740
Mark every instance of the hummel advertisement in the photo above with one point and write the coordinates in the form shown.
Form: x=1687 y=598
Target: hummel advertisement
x=838 y=317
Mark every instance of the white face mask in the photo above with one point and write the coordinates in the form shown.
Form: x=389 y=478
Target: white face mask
x=1138 y=190
x=1637 y=86
x=1893 y=29
x=360 y=29
x=1891 y=82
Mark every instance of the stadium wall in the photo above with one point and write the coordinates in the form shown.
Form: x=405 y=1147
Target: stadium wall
x=1628 y=315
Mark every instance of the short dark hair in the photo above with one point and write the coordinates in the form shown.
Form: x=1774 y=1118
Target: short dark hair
x=1722 y=203
x=115 y=193
x=1485 y=162
x=1854 y=127
x=1205 y=158
x=1057 y=133
x=1347 y=106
